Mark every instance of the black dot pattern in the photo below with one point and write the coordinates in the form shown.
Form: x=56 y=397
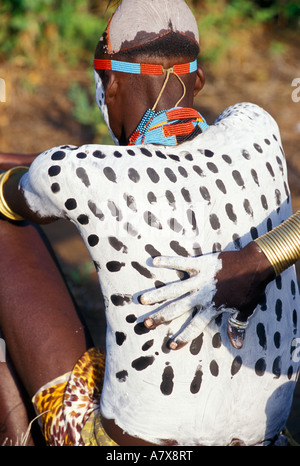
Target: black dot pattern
x=220 y=191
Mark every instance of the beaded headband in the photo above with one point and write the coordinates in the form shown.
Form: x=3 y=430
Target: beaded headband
x=142 y=68
x=145 y=68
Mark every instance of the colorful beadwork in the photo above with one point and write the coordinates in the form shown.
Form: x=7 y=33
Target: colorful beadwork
x=142 y=68
x=168 y=127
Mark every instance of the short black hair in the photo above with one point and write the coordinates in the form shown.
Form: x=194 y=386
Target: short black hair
x=172 y=44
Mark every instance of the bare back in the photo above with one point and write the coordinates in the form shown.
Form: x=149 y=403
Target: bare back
x=130 y=204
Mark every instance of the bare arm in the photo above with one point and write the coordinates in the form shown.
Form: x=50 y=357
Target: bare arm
x=8 y=160
x=242 y=279
x=13 y=197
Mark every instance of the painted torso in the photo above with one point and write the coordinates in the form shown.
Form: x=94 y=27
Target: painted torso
x=130 y=204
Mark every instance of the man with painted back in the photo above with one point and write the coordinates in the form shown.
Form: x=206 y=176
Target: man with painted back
x=174 y=185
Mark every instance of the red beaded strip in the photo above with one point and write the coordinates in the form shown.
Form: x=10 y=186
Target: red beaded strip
x=143 y=68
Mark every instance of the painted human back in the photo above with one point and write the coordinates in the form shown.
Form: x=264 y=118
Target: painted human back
x=130 y=204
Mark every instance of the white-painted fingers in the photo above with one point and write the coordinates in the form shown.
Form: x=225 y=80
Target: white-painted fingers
x=186 y=264
x=171 y=291
x=201 y=279
x=196 y=326
x=194 y=292
x=170 y=312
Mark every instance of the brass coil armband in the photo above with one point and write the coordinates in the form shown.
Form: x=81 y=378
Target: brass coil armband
x=4 y=207
x=282 y=244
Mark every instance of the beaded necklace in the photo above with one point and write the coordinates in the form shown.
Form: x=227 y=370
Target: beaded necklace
x=168 y=127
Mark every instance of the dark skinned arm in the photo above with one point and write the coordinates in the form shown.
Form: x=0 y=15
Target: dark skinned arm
x=242 y=279
x=15 y=199
x=8 y=160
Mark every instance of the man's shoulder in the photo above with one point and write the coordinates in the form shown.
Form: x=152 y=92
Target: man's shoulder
x=71 y=153
x=247 y=113
x=243 y=128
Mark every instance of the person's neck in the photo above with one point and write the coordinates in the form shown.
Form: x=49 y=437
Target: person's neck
x=133 y=118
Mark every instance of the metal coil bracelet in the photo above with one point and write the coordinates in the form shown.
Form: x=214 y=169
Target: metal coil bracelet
x=4 y=207
x=282 y=244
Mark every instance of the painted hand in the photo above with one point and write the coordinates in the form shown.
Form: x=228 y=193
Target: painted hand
x=196 y=296
x=231 y=281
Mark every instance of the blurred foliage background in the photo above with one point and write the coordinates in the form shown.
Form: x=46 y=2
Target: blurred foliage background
x=61 y=35
x=68 y=30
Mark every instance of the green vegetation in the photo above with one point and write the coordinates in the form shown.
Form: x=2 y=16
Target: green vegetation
x=222 y=22
x=58 y=29
x=86 y=111
x=63 y=34
x=69 y=30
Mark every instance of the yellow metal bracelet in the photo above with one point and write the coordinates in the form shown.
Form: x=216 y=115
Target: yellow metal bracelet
x=282 y=244
x=4 y=207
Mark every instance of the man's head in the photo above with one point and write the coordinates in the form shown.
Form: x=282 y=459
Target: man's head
x=162 y=32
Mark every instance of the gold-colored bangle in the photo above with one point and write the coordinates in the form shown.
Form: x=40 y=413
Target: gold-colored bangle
x=282 y=244
x=4 y=207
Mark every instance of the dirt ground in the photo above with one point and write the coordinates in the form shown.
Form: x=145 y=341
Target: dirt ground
x=36 y=116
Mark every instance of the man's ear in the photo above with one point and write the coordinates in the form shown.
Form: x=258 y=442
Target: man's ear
x=111 y=86
x=200 y=80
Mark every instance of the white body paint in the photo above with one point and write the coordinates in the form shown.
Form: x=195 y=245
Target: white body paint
x=192 y=297
x=205 y=195
x=149 y=19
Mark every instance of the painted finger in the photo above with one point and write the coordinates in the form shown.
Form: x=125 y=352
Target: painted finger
x=170 y=312
x=178 y=263
x=171 y=291
x=195 y=327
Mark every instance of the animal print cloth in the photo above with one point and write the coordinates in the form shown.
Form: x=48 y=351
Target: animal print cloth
x=69 y=404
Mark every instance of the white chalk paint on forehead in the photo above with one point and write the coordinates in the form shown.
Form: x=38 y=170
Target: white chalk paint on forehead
x=138 y=21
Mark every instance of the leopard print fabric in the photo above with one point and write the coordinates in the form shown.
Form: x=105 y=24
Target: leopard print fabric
x=66 y=403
